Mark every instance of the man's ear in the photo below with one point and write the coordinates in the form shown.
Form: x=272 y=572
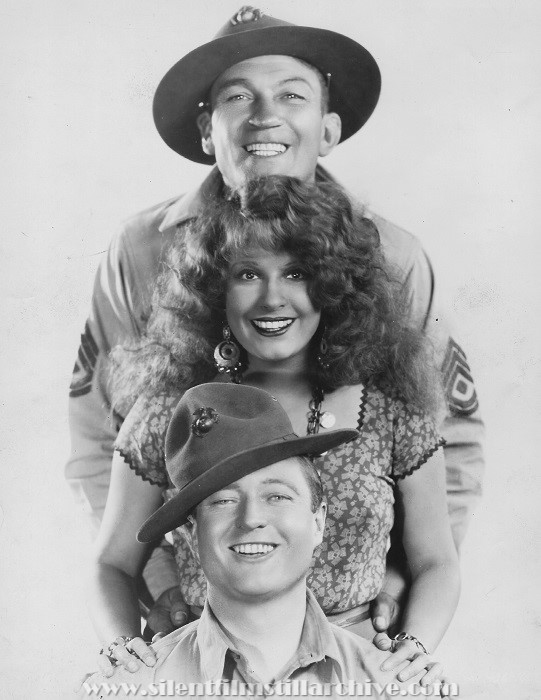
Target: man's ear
x=331 y=130
x=204 y=124
x=191 y=526
x=319 y=521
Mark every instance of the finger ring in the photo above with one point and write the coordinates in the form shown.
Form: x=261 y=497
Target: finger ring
x=112 y=659
x=119 y=641
x=404 y=636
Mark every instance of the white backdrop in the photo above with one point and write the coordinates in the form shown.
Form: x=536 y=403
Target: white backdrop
x=452 y=153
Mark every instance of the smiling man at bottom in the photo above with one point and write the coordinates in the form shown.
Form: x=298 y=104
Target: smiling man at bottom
x=254 y=504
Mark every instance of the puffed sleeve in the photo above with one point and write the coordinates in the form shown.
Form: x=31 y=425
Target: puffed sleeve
x=415 y=439
x=141 y=440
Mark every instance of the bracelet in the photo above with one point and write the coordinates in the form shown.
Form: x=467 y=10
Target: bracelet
x=403 y=637
x=109 y=651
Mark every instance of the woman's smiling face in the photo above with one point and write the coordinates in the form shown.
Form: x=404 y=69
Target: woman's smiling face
x=268 y=307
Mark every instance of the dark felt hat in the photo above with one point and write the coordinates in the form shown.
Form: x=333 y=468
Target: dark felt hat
x=220 y=433
x=354 y=85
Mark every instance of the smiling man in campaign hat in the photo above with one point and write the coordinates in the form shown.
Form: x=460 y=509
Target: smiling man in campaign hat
x=264 y=96
x=348 y=75
x=255 y=506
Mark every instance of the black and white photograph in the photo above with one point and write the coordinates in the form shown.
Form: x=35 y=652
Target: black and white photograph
x=271 y=368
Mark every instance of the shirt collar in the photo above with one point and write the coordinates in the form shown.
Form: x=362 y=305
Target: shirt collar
x=190 y=205
x=317 y=640
x=213 y=645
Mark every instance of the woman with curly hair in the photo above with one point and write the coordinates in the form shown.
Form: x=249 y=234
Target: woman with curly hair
x=284 y=288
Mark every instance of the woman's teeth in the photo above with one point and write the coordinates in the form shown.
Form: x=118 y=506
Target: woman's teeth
x=277 y=325
x=253 y=548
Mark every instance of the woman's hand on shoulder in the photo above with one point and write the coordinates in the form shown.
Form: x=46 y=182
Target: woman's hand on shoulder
x=408 y=660
x=128 y=653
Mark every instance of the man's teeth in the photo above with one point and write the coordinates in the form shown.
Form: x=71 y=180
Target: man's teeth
x=273 y=325
x=253 y=548
x=266 y=149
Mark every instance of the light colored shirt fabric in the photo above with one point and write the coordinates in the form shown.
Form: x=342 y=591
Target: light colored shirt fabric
x=202 y=653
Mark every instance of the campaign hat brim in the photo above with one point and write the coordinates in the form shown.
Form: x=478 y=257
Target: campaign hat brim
x=355 y=82
x=174 y=513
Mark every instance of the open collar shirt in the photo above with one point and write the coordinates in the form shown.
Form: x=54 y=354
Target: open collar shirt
x=200 y=660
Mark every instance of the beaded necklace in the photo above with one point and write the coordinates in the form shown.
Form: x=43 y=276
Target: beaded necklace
x=316 y=417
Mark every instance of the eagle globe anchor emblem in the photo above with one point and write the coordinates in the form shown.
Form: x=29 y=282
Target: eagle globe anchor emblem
x=246 y=14
x=204 y=421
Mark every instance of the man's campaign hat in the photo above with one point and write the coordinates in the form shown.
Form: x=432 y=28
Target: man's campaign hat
x=354 y=88
x=218 y=434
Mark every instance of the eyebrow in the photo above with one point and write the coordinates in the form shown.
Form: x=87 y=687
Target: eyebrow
x=267 y=482
x=242 y=261
x=282 y=482
x=232 y=82
x=253 y=259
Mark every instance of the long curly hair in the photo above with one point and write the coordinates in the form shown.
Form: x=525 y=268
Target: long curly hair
x=364 y=309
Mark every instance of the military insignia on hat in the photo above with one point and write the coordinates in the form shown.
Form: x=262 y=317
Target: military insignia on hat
x=81 y=382
x=246 y=14
x=204 y=421
x=458 y=382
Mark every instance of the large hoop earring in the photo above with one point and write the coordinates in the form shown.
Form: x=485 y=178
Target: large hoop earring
x=227 y=356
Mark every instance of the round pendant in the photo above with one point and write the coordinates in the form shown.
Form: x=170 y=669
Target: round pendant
x=327 y=419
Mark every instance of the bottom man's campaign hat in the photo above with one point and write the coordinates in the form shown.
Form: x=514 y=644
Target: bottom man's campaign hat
x=218 y=434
